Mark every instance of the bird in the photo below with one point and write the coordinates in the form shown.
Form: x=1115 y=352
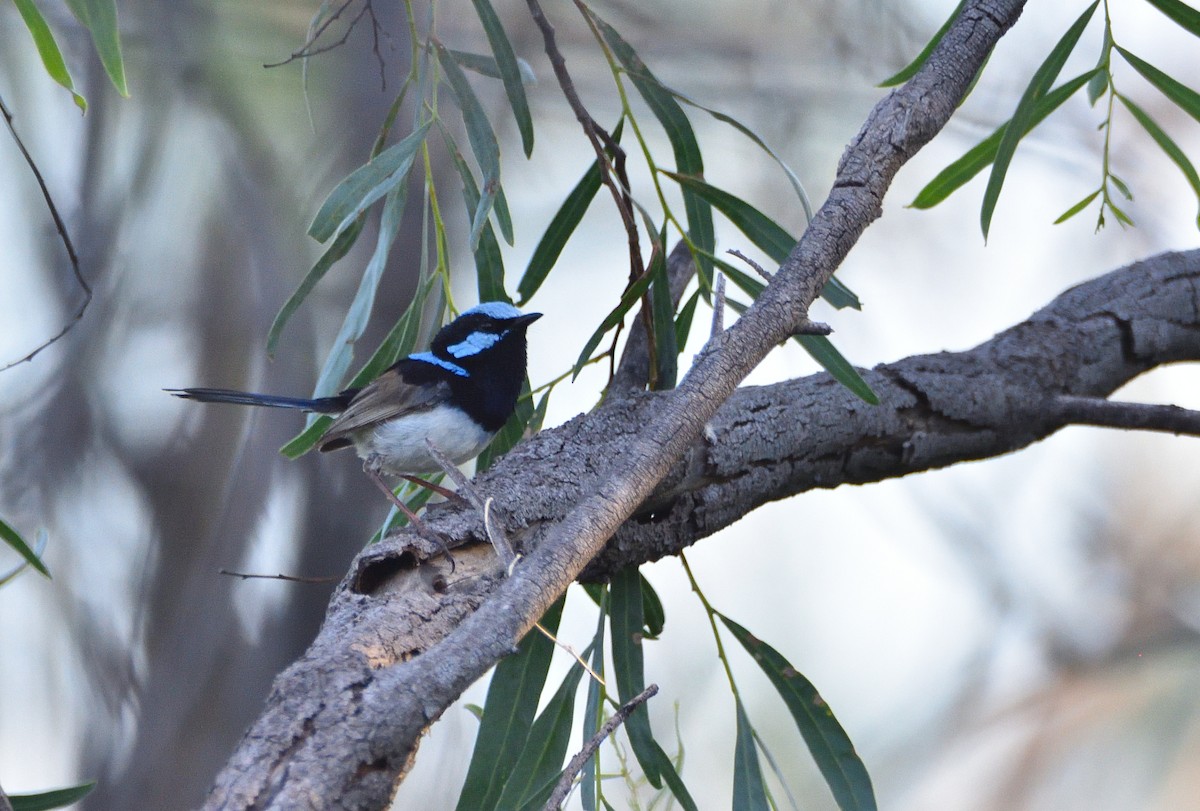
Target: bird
x=457 y=395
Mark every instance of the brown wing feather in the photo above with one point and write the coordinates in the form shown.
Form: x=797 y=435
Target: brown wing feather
x=385 y=397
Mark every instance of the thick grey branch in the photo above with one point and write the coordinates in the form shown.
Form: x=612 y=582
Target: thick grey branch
x=401 y=643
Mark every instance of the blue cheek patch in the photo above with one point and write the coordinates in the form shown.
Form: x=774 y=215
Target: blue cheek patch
x=429 y=357
x=475 y=343
x=499 y=310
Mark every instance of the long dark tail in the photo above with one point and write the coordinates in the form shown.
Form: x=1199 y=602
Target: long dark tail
x=323 y=405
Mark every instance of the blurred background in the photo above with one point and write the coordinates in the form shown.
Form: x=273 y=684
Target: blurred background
x=1013 y=633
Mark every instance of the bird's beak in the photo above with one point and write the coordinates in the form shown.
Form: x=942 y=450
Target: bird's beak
x=526 y=320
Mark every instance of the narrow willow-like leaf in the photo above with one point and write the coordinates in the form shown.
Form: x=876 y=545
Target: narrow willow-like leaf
x=1099 y=82
x=46 y=800
x=912 y=68
x=1121 y=216
x=400 y=341
x=593 y=717
x=359 y=311
x=797 y=186
x=503 y=216
x=480 y=136
x=628 y=622
x=541 y=763
x=511 y=704
x=489 y=260
x=683 y=323
x=99 y=17
x=1167 y=145
x=336 y=250
x=764 y=232
x=629 y=298
x=1184 y=15
x=679 y=132
x=829 y=744
x=652 y=611
x=365 y=185
x=662 y=316
x=561 y=226
x=539 y=413
x=510 y=73
x=671 y=777
x=13 y=538
x=749 y=789
x=47 y=48
x=1121 y=187
x=1187 y=99
x=980 y=156
x=486 y=66
x=1078 y=207
x=1019 y=124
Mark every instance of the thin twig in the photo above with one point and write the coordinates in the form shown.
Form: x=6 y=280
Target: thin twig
x=309 y=49
x=571 y=652
x=62 y=232
x=718 y=320
x=291 y=578
x=757 y=267
x=563 y=788
x=1133 y=416
x=602 y=142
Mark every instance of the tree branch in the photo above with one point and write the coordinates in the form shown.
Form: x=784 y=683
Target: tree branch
x=1135 y=416
x=400 y=644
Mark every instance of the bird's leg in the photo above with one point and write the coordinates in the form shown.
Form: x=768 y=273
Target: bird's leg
x=437 y=488
x=371 y=468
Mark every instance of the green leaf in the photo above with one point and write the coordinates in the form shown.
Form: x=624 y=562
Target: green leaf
x=749 y=133
x=1078 y=207
x=47 y=48
x=1187 y=99
x=980 y=156
x=629 y=298
x=1121 y=187
x=359 y=311
x=831 y=748
x=13 y=538
x=652 y=611
x=628 y=623
x=365 y=185
x=662 y=317
x=563 y=224
x=910 y=71
x=487 y=66
x=825 y=353
x=1167 y=145
x=480 y=136
x=489 y=261
x=336 y=250
x=1121 y=216
x=539 y=413
x=45 y=800
x=535 y=773
x=749 y=790
x=1022 y=117
x=593 y=716
x=671 y=777
x=683 y=323
x=679 y=132
x=100 y=18
x=1183 y=14
x=763 y=232
x=1099 y=82
x=510 y=73
x=512 y=700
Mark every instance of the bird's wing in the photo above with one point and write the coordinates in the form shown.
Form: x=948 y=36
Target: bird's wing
x=386 y=397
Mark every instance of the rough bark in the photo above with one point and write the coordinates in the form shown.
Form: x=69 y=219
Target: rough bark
x=401 y=642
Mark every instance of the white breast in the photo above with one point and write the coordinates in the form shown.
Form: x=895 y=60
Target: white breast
x=401 y=443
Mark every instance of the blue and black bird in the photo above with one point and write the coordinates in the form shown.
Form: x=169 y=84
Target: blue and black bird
x=457 y=395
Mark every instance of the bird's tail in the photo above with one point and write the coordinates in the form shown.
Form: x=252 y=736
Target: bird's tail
x=323 y=405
